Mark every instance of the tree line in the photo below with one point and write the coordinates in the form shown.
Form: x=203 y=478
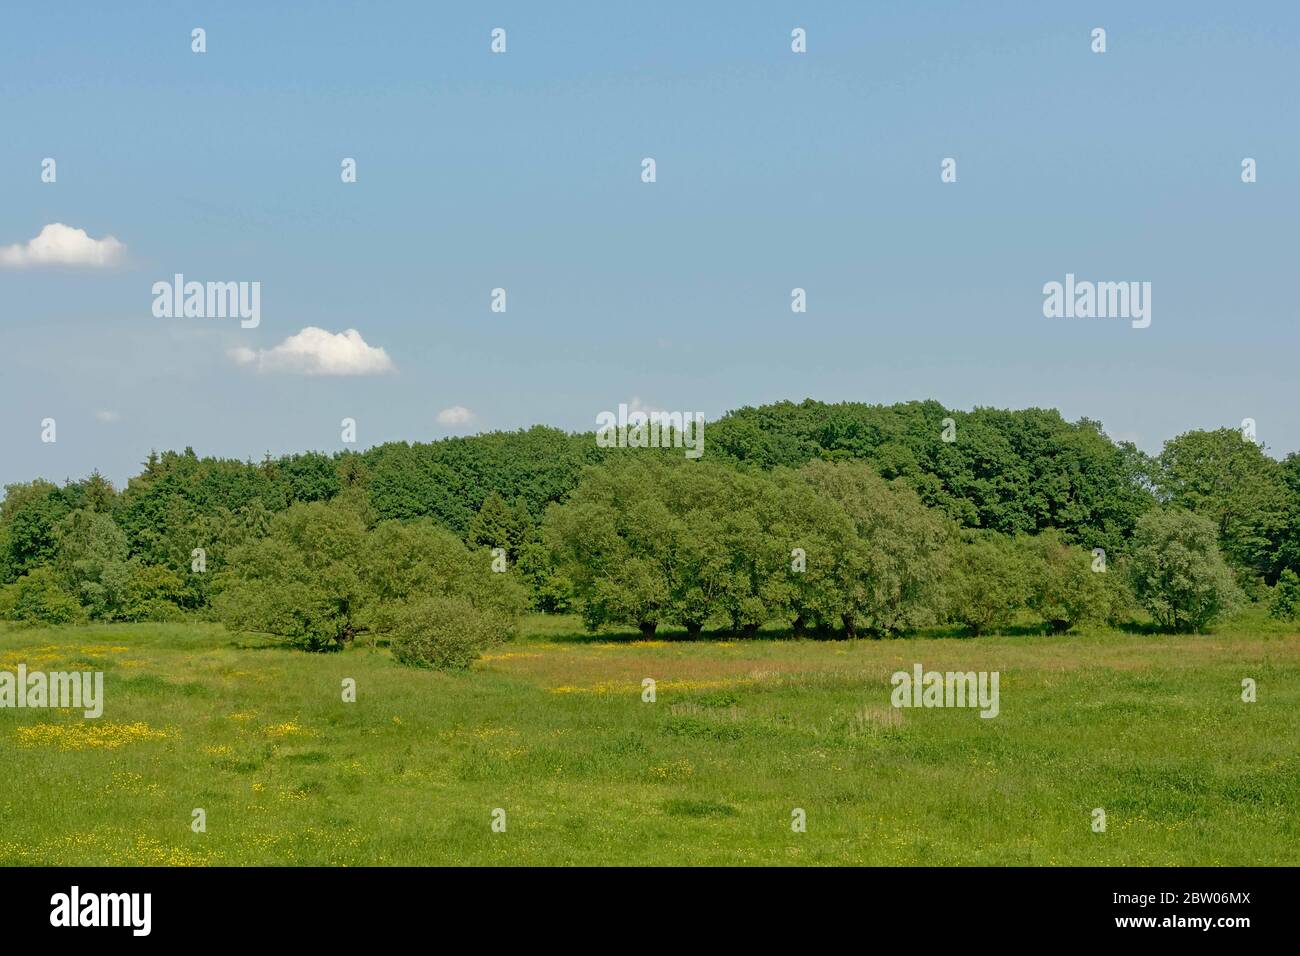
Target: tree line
x=840 y=519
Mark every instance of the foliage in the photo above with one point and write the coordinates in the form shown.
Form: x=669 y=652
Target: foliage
x=39 y=598
x=91 y=561
x=659 y=540
x=890 y=567
x=1009 y=471
x=446 y=633
x=500 y=525
x=868 y=495
x=989 y=581
x=152 y=593
x=450 y=479
x=548 y=585
x=302 y=581
x=404 y=562
x=1067 y=586
x=1177 y=571
x=1229 y=480
x=320 y=578
x=615 y=539
x=1288 y=522
x=1285 y=605
x=30 y=513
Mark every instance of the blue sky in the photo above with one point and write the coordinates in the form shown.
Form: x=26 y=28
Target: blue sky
x=522 y=171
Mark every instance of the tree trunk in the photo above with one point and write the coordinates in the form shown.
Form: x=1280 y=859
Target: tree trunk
x=850 y=631
x=800 y=626
x=693 y=630
x=647 y=630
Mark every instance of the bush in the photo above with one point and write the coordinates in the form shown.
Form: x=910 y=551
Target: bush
x=446 y=633
x=1285 y=605
x=1177 y=571
x=37 y=598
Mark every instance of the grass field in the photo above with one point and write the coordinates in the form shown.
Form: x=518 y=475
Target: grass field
x=553 y=730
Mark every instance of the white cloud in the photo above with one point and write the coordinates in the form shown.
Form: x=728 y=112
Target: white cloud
x=314 y=351
x=60 y=245
x=107 y=417
x=456 y=415
x=636 y=405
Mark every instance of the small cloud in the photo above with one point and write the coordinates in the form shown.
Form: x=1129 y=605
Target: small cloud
x=314 y=351
x=636 y=405
x=60 y=245
x=456 y=415
x=106 y=417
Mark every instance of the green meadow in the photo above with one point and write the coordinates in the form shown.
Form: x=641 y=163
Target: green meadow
x=552 y=729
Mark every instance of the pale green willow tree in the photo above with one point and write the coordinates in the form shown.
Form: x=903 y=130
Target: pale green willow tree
x=623 y=539
x=302 y=581
x=650 y=540
x=1177 y=571
x=890 y=572
x=1064 y=588
x=988 y=582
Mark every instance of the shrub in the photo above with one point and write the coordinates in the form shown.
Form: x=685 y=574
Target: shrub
x=38 y=598
x=1285 y=605
x=446 y=633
